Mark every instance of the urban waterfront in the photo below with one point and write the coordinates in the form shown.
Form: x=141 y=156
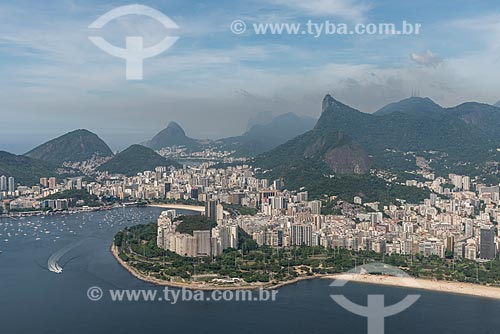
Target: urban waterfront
x=37 y=300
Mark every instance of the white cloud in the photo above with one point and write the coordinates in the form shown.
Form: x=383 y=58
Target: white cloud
x=346 y=9
x=69 y=81
x=428 y=59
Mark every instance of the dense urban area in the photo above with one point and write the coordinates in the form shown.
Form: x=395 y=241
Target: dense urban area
x=458 y=220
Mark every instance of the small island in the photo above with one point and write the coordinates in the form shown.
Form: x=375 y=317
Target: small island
x=250 y=266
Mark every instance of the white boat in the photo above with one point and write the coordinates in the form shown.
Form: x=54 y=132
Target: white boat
x=56 y=269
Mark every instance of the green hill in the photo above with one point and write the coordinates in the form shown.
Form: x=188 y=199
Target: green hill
x=136 y=159
x=75 y=195
x=188 y=224
x=78 y=145
x=411 y=105
x=25 y=170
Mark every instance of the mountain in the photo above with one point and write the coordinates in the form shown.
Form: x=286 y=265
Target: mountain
x=78 y=145
x=324 y=144
x=389 y=136
x=258 y=139
x=282 y=127
x=345 y=142
x=172 y=135
x=261 y=118
x=328 y=161
x=482 y=116
x=136 y=159
x=264 y=137
x=412 y=105
x=25 y=170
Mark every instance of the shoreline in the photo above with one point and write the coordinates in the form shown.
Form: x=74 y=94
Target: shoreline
x=191 y=286
x=24 y=214
x=15 y=215
x=457 y=288
x=187 y=207
x=448 y=287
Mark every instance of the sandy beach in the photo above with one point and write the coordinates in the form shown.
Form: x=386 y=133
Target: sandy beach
x=180 y=207
x=468 y=289
x=195 y=208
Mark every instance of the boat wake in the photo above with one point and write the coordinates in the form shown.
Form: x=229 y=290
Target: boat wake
x=52 y=262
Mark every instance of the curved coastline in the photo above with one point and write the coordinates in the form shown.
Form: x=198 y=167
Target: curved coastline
x=194 y=208
x=467 y=289
x=191 y=286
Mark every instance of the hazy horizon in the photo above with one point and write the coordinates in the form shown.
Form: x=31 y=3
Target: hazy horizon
x=118 y=141
x=212 y=77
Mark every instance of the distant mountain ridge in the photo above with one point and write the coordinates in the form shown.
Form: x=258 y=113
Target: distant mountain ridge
x=261 y=138
x=136 y=159
x=482 y=116
x=344 y=139
x=258 y=139
x=411 y=105
x=172 y=135
x=478 y=114
x=282 y=126
x=464 y=133
x=348 y=141
x=78 y=145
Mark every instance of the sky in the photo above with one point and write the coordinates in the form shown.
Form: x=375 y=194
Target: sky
x=212 y=81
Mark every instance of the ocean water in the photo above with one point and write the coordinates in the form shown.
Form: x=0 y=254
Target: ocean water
x=36 y=300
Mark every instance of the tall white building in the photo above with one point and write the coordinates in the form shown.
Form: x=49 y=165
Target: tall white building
x=211 y=209
x=301 y=234
x=466 y=183
x=219 y=215
x=11 y=184
x=487 y=247
x=203 y=243
x=277 y=202
x=3 y=183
